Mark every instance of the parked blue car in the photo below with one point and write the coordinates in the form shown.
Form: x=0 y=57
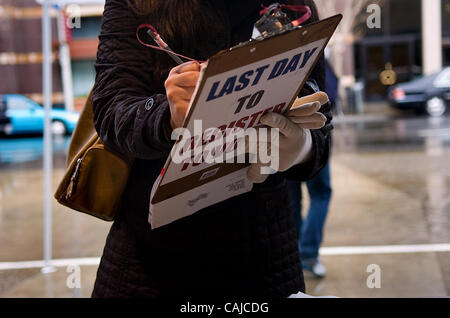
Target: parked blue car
x=24 y=116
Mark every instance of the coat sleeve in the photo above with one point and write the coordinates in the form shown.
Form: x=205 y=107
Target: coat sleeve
x=129 y=116
x=321 y=143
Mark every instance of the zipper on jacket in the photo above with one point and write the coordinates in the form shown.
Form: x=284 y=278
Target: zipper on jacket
x=73 y=179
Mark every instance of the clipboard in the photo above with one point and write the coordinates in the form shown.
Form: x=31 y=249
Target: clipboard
x=274 y=70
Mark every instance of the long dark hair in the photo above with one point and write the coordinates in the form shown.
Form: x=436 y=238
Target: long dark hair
x=199 y=29
x=190 y=27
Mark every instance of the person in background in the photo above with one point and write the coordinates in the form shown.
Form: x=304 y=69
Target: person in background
x=310 y=231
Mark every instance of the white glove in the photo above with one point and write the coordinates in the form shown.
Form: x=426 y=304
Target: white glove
x=295 y=141
x=304 y=111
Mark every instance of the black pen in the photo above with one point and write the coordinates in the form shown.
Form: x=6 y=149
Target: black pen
x=163 y=45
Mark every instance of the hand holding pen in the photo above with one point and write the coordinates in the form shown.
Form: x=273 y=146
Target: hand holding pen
x=182 y=80
x=162 y=45
x=180 y=86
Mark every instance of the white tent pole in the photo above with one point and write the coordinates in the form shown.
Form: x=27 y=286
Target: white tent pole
x=47 y=166
x=47 y=92
x=64 y=61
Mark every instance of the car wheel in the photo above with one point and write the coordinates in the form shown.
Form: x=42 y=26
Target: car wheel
x=436 y=107
x=58 y=128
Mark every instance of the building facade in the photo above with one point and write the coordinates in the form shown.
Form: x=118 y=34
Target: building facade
x=21 y=49
x=399 y=44
x=83 y=50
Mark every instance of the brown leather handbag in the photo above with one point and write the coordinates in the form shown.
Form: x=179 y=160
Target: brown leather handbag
x=96 y=176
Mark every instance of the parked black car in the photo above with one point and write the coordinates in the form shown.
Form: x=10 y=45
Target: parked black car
x=430 y=94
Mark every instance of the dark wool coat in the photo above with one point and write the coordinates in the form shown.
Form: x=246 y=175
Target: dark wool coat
x=246 y=245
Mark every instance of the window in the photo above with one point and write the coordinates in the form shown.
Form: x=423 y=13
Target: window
x=91 y=27
x=443 y=80
x=18 y=103
x=405 y=16
x=446 y=16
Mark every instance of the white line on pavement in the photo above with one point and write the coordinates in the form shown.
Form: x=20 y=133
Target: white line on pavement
x=325 y=251
x=386 y=249
x=90 y=261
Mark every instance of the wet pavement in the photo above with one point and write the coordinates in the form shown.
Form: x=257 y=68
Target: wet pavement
x=391 y=188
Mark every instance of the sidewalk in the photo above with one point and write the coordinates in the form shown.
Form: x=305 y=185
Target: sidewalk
x=365 y=211
x=391 y=190
x=373 y=112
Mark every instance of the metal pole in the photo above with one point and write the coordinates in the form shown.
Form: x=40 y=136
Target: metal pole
x=64 y=61
x=47 y=91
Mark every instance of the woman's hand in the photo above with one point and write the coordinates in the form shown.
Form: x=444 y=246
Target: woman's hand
x=305 y=111
x=295 y=142
x=180 y=86
x=284 y=150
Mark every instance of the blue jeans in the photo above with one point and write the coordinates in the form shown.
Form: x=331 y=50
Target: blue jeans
x=310 y=231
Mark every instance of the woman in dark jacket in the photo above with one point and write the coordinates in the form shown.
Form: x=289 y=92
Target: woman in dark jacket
x=244 y=246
